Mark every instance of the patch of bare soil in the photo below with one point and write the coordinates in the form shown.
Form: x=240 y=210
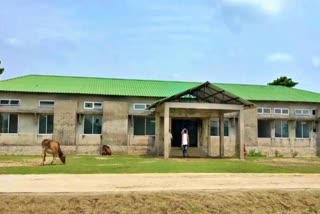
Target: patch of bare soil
x=24 y=162
x=164 y=202
x=289 y=162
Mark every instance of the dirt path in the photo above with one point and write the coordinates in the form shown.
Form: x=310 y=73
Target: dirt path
x=156 y=182
x=160 y=193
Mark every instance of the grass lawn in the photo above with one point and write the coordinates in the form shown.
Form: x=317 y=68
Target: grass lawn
x=81 y=164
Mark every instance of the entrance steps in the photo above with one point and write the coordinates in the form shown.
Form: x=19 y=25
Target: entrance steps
x=192 y=152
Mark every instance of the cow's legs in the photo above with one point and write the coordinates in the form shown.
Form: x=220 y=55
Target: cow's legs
x=53 y=158
x=43 y=157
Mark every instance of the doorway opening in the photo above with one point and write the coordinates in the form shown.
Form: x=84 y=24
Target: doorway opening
x=191 y=125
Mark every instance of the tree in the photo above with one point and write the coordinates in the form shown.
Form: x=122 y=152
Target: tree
x=1 y=69
x=284 y=81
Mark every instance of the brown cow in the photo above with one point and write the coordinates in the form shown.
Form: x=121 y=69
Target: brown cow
x=106 y=150
x=52 y=147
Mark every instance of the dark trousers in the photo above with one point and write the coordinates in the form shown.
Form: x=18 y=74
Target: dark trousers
x=184 y=150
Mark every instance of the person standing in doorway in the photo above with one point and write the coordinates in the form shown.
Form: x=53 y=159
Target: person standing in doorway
x=184 y=142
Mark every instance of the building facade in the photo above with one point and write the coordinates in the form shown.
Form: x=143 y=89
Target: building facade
x=136 y=117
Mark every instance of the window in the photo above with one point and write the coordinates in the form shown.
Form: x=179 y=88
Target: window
x=143 y=125
x=45 y=124
x=302 y=112
x=92 y=105
x=262 y=110
x=215 y=128
x=284 y=111
x=302 y=129
x=281 y=128
x=140 y=106
x=46 y=103
x=264 y=128
x=9 y=102
x=8 y=123
x=92 y=124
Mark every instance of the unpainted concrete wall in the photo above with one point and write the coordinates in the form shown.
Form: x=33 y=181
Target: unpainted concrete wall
x=115 y=124
x=65 y=120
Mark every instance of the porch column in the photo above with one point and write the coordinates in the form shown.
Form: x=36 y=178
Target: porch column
x=157 y=133
x=206 y=135
x=166 y=132
x=241 y=133
x=210 y=145
x=221 y=133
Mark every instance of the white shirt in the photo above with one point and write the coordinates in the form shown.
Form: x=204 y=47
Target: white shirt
x=184 y=139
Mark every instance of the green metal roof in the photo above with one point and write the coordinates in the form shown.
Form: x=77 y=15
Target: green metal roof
x=146 y=88
x=94 y=86
x=270 y=93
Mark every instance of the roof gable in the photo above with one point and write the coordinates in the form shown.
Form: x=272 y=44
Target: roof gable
x=204 y=93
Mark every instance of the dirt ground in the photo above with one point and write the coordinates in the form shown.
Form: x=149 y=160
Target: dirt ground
x=307 y=201
x=160 y=193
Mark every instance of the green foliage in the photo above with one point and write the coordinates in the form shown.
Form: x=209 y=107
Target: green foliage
x=284 y=81
x=294 y=154
x=1 y=69
x=278 y=154
x=254 y=153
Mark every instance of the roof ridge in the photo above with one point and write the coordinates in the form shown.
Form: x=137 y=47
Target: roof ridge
x=246 y=84
x=106 y=78
x=14 y=78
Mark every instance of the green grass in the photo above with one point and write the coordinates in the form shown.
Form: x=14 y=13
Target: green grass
x=78 y=164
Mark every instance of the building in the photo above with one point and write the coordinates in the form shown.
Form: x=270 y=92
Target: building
x=136 y=116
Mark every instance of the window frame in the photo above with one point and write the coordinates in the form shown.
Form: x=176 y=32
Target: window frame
x=10 y=102
x=281 y=111
x=269 y=131
x=46 y=105
x=94 y=107
x=8 y=125
x=146 y=105
x=305 y=122
x=281 y=128
x=302 y=112
x=46 y=128
x=145 y=118
x=263 y=110
x=92 y=127
x=224 y=130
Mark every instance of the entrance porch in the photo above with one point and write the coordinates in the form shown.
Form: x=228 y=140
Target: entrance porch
x=194 y=109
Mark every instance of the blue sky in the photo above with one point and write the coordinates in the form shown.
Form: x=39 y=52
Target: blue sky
x=225 y=41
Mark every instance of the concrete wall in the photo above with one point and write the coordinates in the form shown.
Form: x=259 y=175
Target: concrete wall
x=118 y=127
x=65 y=121
x=290 y=146
x=115 y=125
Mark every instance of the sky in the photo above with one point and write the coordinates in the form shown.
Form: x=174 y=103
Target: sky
x=221 y=41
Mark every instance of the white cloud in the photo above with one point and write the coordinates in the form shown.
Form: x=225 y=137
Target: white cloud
x=316 y=61
x=271 y=7
x=15 y=42
x=279 y=57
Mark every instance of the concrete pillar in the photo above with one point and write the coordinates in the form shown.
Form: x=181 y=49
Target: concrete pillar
x=221 y=133
x=206 y=133
x=241 y=133
x=65 y=121
x=292 y=133
x=209 y=143
x=166 y=132
x=115 y=125
x=157 y=133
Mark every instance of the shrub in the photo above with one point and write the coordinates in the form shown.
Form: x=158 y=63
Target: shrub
x=278 y=154
x=254 y=153
x=294 y=153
